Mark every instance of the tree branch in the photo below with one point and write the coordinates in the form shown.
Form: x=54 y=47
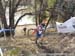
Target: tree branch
x=22 y=17
x=17 y=4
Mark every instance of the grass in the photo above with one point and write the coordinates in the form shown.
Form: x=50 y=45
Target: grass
x=14 y=52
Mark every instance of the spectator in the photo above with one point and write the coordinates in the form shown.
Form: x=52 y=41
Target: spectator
x=24 y=29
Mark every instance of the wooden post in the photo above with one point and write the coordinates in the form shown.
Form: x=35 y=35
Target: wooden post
x=2 y=27
x=4 y=32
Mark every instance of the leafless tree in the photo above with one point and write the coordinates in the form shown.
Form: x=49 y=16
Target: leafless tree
x=13 y=8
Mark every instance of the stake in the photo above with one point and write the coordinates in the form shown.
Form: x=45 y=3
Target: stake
x=2 y=28
x=4 y=32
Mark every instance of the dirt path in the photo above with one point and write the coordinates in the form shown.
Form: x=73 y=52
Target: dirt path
x=53 y=43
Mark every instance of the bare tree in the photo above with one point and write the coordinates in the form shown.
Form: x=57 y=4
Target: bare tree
x=2 y=14
x=66 y=8
x=13 y=7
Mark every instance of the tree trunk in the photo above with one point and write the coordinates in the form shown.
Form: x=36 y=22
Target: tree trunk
x=2 y=15
x=35 y=13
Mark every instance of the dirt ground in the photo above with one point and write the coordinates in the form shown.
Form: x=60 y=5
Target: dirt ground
x=25 y=45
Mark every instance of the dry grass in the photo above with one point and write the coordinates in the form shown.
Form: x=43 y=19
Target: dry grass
x=55 y=42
